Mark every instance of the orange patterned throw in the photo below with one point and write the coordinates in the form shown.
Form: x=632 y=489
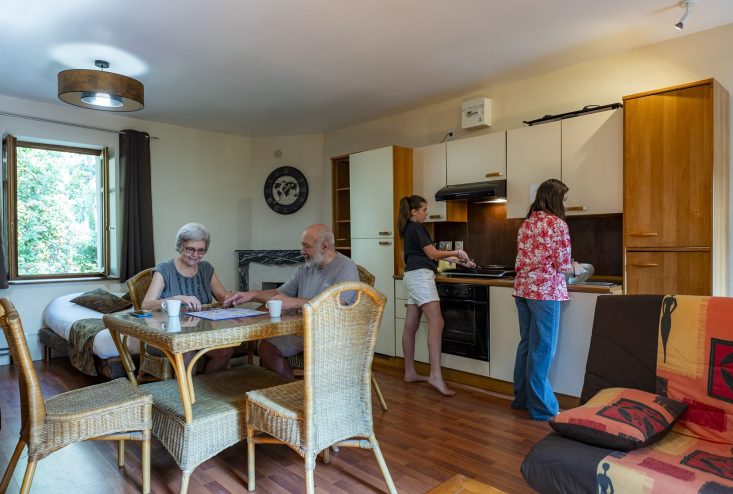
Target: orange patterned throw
x=695 y=367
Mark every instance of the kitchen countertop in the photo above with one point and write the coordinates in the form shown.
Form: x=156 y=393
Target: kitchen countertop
x=509 y=283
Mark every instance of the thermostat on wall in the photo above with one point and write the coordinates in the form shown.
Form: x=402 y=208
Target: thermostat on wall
x=476 y=113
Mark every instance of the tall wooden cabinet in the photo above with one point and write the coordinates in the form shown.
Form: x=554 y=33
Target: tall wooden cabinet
x=676 y=190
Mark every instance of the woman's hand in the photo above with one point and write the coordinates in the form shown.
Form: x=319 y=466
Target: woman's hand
x=192 y=302
x=461 y=254
x=578 y=269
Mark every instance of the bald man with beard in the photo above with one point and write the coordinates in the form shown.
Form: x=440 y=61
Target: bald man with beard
x=323 y=268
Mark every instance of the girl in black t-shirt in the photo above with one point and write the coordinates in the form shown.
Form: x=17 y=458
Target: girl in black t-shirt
x=422 y=296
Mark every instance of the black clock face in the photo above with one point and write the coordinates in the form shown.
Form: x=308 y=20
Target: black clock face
x=286 y=190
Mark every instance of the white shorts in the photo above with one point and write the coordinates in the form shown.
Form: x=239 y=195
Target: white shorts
x=420 y=286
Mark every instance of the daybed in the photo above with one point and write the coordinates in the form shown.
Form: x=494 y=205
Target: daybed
x=679 y=348
x=59 y=316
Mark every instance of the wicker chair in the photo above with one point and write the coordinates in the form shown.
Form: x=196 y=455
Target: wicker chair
x=114 y=410
x=296 y=361
x=154 y=365
x=332 y=404
x=219 y=414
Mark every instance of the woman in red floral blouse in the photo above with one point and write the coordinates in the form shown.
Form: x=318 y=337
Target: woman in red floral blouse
x=543 y=256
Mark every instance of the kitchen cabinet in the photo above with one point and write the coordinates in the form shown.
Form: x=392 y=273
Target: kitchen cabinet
x=378 y=180
x=576 y=324
x=668 y=272
x=592 y=162
x=676 y=189
x=533 y=156
x=421 y=338
x=429 y=176
x=476 y=159
x=372 y=203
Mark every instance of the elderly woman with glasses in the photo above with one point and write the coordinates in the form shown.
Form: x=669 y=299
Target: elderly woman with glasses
x=190 y=279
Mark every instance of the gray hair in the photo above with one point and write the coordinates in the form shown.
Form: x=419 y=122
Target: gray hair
x=326 y=238
x=192 y=231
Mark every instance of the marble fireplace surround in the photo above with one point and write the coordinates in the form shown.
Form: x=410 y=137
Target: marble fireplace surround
x=258 y=266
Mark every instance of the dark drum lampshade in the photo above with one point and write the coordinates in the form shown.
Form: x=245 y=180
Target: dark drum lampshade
x=99 y=90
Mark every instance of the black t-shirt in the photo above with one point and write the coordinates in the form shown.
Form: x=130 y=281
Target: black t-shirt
x=416 y=237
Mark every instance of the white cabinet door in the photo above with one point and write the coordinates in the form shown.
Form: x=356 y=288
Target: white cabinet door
x=377 y=255
x=533 y=156
x=576 y=325
x=428 y=176
x=371 y=201
x=503 y=333
x=592 y=162
x=477 y=159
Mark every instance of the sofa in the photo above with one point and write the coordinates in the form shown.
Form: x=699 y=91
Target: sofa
x=678 y=349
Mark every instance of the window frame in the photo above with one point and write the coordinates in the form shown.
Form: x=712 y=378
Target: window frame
x=10 y=146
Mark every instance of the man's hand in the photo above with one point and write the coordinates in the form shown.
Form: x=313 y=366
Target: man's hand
x=290 y=302
x=237 y=298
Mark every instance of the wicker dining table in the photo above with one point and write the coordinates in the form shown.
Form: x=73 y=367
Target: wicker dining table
x=193 y=334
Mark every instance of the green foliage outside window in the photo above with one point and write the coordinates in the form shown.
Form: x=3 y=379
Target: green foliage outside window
x=58 y=212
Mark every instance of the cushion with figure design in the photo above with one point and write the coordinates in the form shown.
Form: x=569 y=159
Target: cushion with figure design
x=620 y=418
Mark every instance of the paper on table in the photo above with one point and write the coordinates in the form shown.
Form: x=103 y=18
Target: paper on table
x=219 y=314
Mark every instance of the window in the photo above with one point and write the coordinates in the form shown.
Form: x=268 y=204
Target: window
x=57 y=209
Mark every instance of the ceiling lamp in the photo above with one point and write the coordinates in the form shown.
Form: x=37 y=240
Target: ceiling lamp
x=685 y=4
x=100 y=90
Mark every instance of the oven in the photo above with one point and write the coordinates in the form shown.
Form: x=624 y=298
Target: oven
x=465 y=309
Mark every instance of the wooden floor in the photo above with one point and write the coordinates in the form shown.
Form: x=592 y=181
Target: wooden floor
x=425 y=438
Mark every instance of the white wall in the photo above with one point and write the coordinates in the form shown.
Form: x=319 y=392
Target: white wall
x=196 y=176
x=606 y=80
x=270 y=230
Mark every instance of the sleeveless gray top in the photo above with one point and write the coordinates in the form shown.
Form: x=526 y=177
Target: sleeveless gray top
x=198 y=285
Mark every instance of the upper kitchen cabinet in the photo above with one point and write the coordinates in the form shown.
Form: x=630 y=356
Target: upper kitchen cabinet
x=533 y=156
x=476 y=159
x=676 y=186
x=592 y=162
x=429 y=176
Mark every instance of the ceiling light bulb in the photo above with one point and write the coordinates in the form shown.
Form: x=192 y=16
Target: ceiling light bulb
x=102 y=99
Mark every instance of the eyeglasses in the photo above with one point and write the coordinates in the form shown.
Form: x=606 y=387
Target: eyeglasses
x=190 y=251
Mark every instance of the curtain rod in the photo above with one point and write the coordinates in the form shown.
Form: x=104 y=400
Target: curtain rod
x=59 y=122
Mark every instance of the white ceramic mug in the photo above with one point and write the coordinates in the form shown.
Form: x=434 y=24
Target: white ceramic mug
x=172 y=307
x=275 y=307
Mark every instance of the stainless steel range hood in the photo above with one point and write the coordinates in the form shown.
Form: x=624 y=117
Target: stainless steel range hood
x=495 y=189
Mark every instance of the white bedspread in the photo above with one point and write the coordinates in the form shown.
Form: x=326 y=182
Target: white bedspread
x=61 y=313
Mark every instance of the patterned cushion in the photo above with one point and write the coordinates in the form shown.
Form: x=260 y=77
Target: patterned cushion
x=102 y=301
x=620 y=418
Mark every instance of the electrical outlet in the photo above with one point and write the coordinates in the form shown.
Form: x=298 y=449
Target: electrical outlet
x=458 y=244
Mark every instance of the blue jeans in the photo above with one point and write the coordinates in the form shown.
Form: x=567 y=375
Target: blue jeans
x=539 y=323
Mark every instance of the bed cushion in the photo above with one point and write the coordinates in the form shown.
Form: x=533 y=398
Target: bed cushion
x=620 y=418
x=102 y=301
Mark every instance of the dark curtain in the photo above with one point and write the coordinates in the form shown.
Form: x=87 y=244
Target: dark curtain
x=3 y=271
x=137 y=209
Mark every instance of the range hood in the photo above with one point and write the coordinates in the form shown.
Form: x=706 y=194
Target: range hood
x=475 y=190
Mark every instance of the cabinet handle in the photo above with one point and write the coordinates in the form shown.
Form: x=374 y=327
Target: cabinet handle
x=644 y=265
x=436 y=216
x=494 y=174
x=385 y=234
x=643 y=234
x=385 y=243
x=576 y=208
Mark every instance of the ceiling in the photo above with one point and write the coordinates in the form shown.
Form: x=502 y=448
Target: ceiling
x=285 y=67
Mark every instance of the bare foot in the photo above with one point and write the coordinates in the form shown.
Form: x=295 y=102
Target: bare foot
x=440 y=385
x=414 y=377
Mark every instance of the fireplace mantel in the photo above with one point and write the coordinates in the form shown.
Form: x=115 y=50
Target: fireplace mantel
x=271 y=257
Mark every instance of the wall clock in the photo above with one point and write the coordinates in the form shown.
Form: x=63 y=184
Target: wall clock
x=286 y=190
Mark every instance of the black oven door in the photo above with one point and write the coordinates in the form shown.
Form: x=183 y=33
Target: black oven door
x=465 y=311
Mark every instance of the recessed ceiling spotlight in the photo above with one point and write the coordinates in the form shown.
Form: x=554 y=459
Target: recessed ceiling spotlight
x=685 y=4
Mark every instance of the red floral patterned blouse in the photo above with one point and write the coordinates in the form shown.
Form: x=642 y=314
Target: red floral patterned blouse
x=543 y=255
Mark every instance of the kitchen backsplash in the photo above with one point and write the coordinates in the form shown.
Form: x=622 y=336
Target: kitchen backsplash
x=490 y=238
